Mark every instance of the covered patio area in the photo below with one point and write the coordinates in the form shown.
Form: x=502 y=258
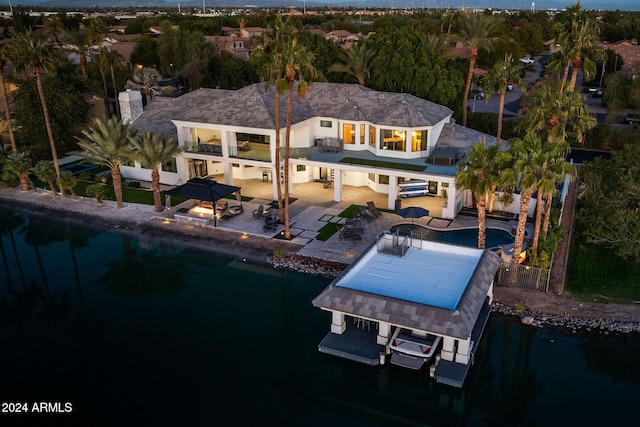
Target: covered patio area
x=210 y=201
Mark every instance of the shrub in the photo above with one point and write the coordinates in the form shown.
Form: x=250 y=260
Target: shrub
x=96 y=190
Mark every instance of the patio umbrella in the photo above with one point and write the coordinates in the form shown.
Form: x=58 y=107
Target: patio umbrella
x=413 y=212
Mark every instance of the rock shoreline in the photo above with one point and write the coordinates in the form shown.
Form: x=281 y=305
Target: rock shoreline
x=329 y=269
x=572 y=323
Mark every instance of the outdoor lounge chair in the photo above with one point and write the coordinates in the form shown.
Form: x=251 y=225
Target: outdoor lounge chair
x=258 y=213
x=364 y=214
x=374 y=211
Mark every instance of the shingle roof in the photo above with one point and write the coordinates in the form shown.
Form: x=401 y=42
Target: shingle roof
x=252 y=107
x=456 y=323
x=460 y=137
x=161 y=110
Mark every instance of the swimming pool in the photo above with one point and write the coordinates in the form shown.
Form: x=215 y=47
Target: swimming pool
x=77 y=168
x=464 y=236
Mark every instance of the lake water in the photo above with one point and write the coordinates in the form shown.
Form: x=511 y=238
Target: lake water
x=141 y=332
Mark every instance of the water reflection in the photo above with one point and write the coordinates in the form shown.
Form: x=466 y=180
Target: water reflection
x=233 y=332
x=142 y=272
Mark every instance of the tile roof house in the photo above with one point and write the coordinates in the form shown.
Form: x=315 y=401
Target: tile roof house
x=346 y=133
x=630 y=54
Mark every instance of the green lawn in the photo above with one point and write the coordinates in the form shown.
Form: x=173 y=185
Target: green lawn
x=129 y=195
x=597 y=273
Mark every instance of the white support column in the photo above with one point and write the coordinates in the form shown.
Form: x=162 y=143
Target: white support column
x=228 y=173
x=337 y=185
x=274 y=181
x=338 y=324
x=464 y=348
x=384 y=332
x=393 y=192
x=448 y=349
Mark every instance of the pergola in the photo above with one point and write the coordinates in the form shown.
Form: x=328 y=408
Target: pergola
x=204 y=189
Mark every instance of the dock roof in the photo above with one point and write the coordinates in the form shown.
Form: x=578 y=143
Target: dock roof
x=444 y=296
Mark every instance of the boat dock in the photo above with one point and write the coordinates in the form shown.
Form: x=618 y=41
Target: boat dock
x=453 y=374
x=428 y=288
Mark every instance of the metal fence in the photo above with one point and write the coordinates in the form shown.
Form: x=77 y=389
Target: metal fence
x=523 y=276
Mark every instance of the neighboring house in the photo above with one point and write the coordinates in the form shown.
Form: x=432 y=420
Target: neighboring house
x=243 y=31
x=551 y=46
x=459 y=50
x=630 y=54
x=347 y=134
x=240 y=47
x=341 y=36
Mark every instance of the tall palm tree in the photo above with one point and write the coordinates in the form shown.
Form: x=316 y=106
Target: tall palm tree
x=107 y=144
x=498 y=79
x=356 y=62
x=298 y=65
x=557 y=171
x=97 y=32
x=152 y=150
x=270 y=55
x=111 y=57
x=4 y=56
x=476 y=173
x=31 y=50
x=581 y=46
x=556 y=112
x=78 y=43
x=523 y=175
x=477 y=31
x=578 y=36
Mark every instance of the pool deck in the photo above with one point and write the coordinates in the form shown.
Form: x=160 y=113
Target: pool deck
x=308 y=216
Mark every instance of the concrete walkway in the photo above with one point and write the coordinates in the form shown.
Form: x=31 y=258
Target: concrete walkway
x=306 y=220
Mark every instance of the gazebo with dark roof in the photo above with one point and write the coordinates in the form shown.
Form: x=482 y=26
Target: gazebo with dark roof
x=204 y=189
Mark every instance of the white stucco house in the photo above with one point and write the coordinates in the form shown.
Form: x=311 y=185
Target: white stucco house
x=396 y=144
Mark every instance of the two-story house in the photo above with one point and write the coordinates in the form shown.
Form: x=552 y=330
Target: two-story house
x=348 y=135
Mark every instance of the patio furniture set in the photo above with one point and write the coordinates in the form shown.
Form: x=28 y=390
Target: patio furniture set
x=268 y=215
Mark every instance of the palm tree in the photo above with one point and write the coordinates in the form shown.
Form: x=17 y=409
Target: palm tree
x=557 y=171
x=298 y=65
x=270 y=55
x=581 y=46
x=96 y=32
x=578 y=36
x=147 y=77
x=554 y=111
x=477 y=173
x=111 y=57
x=152 y=150
x=476 y=30
x=498 y=78
x=523 y=175
x=107 y=144
x=19 y=163
x=4 y=58
x=68 y=180
x=45 y=171
x=356 y=62
x=31 y=50
x=78 y=43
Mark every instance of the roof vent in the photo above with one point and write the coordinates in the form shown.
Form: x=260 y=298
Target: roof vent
x=253 y=99
x=380 y=96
